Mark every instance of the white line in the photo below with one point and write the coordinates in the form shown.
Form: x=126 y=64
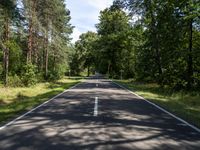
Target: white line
x=13 y=121
x=162 y=109
x=96 y=107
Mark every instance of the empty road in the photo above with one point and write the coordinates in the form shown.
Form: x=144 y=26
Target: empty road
x=98 y=115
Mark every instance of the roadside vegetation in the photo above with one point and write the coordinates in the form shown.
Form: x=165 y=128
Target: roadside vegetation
x=16 y=100
x=154 y=41
x=182 y=103
x=35 y=52
x=160 y=45
x=34 y=41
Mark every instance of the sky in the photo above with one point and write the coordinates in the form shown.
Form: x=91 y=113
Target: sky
x=85 y=14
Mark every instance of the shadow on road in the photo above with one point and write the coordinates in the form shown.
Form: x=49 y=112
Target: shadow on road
x=124 y=122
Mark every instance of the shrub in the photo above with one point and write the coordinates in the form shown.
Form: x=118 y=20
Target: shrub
x=56 y=74
x=29 y=75
x=14 y=81
x=53 y=76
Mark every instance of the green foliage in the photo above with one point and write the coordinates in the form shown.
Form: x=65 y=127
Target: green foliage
x=85 y=53
x=15 y=81
x=1 y=70
x=1 y=64
x=28 y=75
x=157 y=41
x=15 y=55
x=75 y=64
x=19 y=99
x=115 y=42
x=58 y=73
x=168 y=52
x=183 y=103
x=38 y=33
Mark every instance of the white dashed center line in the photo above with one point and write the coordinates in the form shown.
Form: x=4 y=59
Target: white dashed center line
x=96 y=107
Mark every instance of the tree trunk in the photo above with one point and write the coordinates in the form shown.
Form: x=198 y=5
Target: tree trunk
x=158 y=62
x=30 y=42
x=88 y=73
x=35 y=50
x=54 y=62
x=46 y=55
x=155 y=44
x=109 y=68
x=30 y=37
x=6 y=64
x=190 y=59
x=6 y=51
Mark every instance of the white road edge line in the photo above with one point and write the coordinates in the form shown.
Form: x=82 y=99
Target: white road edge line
x=18 y=118
x=162 y=109
x=96 y=107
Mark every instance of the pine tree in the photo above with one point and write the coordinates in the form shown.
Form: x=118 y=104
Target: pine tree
x=7 y=10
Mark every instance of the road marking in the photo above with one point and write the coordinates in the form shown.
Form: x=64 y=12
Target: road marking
x=162 y=109
x=96 y=107
x=20 y=117
x=182 y=124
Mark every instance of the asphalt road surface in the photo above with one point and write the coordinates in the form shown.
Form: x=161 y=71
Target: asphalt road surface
x=98 y=115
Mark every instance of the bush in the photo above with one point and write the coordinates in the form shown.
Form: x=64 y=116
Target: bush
x=57 y=74
x=196 y=77
x=14 y=81
x=29 y=75
x=1 y=71
x=53 y=76
x=15 y=56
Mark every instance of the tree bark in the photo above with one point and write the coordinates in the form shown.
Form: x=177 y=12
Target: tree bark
x=30 y=37
x=54 y=62
x=35 y=50
x=6 y=51
x=88 y=73
x=155 y=44
x=190 y=58
x=109 y=65
x=46 y=55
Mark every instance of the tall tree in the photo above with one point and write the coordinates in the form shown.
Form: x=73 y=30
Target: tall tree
x=113 y=27
x=167 y=25
x=34 y=33
x=7 y=10
x=85 y=48
x=191 y=12
x=30 y=7
x=54 y=18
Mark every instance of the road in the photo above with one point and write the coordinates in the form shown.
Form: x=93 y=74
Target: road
x=98 y=115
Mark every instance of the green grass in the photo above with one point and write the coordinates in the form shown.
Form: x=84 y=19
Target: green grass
x=184 y=104
x=14 y=101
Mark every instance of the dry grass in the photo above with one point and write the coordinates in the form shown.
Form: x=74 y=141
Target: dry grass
x=13 y=101
x=184 y=104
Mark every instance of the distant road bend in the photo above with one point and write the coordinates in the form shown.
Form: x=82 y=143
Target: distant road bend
x=98 y=115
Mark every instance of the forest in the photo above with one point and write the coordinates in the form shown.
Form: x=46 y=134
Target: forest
x=150 y=48
x=148 y=40
x=34 y=41
x=145 y=40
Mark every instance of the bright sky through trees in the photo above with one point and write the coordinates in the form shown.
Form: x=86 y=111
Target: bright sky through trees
x=85 y=14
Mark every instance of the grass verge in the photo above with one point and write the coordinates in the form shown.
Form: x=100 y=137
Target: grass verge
x=184 y=104
x=14 y=101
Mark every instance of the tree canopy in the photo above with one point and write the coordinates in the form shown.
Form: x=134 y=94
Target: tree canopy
x=148 y=40
x=34 y=39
